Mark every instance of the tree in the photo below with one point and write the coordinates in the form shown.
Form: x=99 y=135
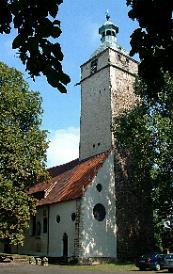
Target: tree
x=36 y=26
x=22 y=152
x=153 y=40
x=146 y=133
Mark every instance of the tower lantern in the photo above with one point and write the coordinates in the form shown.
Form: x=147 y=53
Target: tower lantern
x=108 y=32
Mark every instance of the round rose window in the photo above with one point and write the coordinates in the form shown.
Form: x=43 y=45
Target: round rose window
x=99 y=212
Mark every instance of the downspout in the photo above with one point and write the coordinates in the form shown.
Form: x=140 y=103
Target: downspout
x=48 y=214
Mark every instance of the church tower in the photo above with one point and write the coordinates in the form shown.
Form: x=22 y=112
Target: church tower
x=106 y=91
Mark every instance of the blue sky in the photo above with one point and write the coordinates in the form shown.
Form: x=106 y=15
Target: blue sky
x=80 y=20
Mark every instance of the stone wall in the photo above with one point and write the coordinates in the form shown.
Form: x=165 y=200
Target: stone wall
x=134 y=211
x=95 y=122
x=123 y=72
x=105 y=94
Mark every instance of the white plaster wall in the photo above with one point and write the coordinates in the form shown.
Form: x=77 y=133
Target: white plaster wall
x=57 y=230
x=95 y=127
x=53 y=247
x=98 y=238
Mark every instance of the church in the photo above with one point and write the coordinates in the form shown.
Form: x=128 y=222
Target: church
x=77 y=213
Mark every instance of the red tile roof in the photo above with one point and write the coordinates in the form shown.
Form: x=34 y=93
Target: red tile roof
x=69 y=181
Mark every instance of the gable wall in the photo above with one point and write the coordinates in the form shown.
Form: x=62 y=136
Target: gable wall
x=98 y=238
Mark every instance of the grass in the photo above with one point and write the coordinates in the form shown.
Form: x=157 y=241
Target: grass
x=118 y=267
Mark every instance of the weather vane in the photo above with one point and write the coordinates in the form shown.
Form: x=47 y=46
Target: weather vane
x=107 y=15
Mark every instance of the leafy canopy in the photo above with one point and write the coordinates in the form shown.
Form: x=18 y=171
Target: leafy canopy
x=36 y=27
x=147 y=133
x=153 y=39
x=22 y=152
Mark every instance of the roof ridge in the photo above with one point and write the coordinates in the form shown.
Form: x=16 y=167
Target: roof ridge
x=61 y=165
x=57 y=170
x=96 y=155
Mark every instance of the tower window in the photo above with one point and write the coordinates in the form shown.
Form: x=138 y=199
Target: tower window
x=93 y=66
x=119 y=57
x=108 y=32
x=127 y=60
x=94 y=145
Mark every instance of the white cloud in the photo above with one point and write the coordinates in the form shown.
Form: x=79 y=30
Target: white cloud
x=63 y=146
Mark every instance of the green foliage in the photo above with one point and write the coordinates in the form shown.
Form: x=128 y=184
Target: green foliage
x=36 y=26
x=153 y=40
x=22 y=152
x=147 y=133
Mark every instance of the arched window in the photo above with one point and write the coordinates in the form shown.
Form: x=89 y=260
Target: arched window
x=33 y=226
x=73 y=216
x=45 y=225
x=65 y=245
x=58 y=218
x=99 y=187
x=38 y=229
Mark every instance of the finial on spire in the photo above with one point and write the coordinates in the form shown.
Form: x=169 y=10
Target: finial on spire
x=107 y=15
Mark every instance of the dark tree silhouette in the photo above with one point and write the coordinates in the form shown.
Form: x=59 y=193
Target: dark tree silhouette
x=36 y=24
x=153 y=39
